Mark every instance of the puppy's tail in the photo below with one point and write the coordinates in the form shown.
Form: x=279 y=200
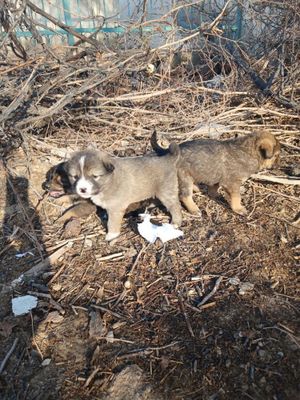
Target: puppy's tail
x=174 y=151
x=159 y=144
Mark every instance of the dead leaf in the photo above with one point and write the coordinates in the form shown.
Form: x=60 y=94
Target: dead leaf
x=97 y=328
x=6 y=328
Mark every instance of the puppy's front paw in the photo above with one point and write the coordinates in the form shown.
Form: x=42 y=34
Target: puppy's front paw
x=111 y=236
x=64 y=201
x=176 y=222
x=241 y=211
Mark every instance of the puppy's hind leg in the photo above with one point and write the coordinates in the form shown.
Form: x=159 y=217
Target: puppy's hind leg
x=186 y=194
x=171 y=202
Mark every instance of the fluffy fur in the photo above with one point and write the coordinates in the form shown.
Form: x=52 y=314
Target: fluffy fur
x=114 y=183
x=221 y=163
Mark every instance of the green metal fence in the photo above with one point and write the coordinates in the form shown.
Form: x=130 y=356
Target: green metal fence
x=87 y=16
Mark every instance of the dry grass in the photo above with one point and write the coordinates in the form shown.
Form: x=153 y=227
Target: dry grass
x=183 y=318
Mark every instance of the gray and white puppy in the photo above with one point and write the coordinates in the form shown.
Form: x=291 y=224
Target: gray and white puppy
x=221 y=163
x=114 y=183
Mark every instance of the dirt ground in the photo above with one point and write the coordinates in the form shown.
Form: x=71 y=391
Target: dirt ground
x=212 y=315
x=88 y=325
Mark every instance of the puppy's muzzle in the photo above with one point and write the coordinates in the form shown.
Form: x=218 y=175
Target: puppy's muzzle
x=46 y=186
x=84 y=188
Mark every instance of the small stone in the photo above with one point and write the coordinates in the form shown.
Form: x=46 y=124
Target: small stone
x=228 y=363
x=127 y=284
x=56 y=287
x=246 y=287
x=295 y=170
x=283 y=239
x=100 y=293
x=110 y=337
x=234 y=281
x=262 y=353
x=88 y=243
x=150 y=69
x=46 y=362
x=262 y=381
x=192 y=293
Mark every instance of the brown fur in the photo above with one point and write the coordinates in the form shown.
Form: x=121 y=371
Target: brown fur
x=114 y=183
x=222 y=163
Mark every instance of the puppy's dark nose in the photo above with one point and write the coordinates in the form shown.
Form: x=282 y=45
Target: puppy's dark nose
x=46 y=185
x=82 y=190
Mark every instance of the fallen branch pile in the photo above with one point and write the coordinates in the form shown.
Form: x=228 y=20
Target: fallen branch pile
x=184 y=83
x=210 y=315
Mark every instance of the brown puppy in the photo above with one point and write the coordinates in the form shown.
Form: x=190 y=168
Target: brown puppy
x=114 y=183
x=58 y=186
x=221 y=163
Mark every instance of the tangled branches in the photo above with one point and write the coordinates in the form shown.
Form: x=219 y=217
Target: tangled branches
x=176 y=69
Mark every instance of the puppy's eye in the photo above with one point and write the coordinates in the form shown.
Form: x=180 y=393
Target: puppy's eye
x=96 y=176
x=75 y=177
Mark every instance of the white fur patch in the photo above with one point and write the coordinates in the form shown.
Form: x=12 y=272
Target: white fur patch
x=84 y=188
x=81 y=164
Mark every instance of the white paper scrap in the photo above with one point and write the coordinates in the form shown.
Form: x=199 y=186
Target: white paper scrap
x=21 y=255
x=23 y=304
x=151 y=232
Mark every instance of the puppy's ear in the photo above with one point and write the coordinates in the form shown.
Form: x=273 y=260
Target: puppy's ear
x=108 y=163
x=266 y=147
x=62 y=169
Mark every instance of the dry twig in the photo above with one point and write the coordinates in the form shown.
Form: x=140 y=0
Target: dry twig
x=8 y=354
x=209 y=295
